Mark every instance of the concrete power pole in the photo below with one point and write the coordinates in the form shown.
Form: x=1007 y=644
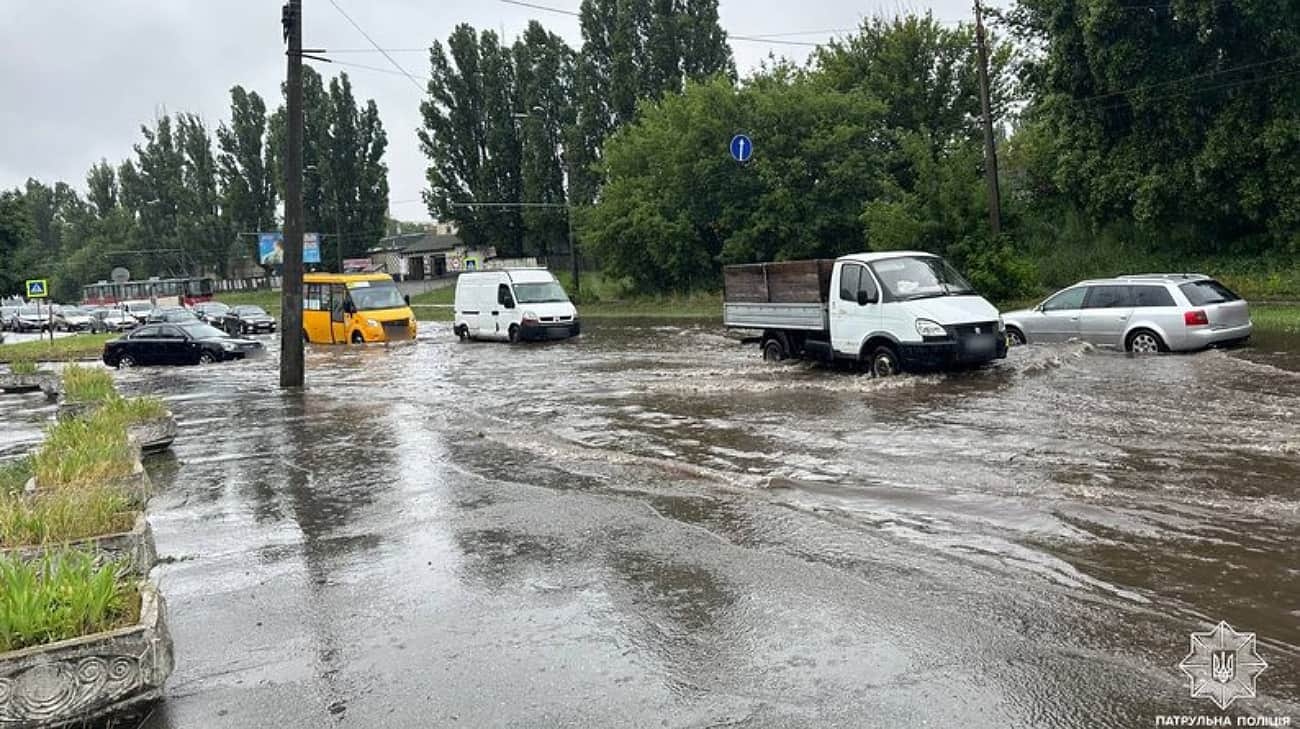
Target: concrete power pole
x=990 y=146
x=291 y=359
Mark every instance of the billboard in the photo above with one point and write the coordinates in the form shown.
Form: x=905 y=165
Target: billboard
x=270 y=248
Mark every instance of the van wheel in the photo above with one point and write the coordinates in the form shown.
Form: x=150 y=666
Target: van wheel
x=1015 y=337
x=774 y=350
x=884 y=361
x=461 y=332
x=1144 y=341
x=514 y=333
x=357 y=338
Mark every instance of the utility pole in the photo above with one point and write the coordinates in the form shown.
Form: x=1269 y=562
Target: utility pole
x=573 y=250
x=291 y=360
x=990 y=147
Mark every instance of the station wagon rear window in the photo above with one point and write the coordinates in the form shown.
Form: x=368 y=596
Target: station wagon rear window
x=1208 y=291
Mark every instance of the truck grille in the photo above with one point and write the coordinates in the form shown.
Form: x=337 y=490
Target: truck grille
x=969 y=330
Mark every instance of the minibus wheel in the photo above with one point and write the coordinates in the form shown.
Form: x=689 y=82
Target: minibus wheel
x=357 y=338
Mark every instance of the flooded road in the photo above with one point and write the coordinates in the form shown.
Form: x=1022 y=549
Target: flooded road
x=649 y=525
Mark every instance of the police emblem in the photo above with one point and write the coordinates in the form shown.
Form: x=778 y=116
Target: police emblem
x=1222 y=665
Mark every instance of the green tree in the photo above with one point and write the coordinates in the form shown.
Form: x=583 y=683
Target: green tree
x=203 y=236
x=472 y=140
x=17 y=239
x=244 y=166
x=544 y=73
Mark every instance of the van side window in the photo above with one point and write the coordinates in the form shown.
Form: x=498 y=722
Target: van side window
x=1152 y=296
x=503 y=296
x=850 y=277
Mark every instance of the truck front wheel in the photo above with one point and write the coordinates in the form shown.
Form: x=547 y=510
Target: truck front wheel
x=884 y=361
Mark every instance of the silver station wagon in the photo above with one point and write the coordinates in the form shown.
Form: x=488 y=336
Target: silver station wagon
x=1157 y=312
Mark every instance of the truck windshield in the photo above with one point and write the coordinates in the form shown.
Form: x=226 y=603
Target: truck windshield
x=920 y=277
x=540 y=293
x=371 y=295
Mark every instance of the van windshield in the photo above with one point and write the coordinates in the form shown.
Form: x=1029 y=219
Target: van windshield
x=371 y=295
x=540 y=293
x=920 y=277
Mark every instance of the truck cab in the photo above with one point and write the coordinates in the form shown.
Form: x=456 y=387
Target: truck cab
x=892 y=312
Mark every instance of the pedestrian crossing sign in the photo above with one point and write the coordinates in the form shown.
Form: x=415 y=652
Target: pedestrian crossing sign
x=38 y=288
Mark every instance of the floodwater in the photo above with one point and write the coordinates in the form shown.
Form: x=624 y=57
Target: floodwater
x=650 y=526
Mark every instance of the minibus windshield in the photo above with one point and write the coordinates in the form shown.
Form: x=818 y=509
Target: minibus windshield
x=544 y=292
x=371 y=295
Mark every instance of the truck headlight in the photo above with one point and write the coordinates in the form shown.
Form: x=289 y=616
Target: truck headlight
x=927 y=328
x=1002 y=326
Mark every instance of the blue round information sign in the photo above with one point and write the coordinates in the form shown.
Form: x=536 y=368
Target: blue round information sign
x=742 y=148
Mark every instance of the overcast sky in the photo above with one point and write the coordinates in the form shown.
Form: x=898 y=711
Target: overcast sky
x=78 y=77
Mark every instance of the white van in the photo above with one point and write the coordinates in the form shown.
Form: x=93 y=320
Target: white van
x=513 y=305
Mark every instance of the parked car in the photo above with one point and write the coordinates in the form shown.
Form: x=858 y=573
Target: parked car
x=1146 y=313
x=513 y=305
x=889 y=312
x=177 y=344
x=138 y=309
x=104 y=319
x=211 y=312
x=6 y=313
x=248 y=319
x=171 y=315
x=30 y=319
x=72 y=319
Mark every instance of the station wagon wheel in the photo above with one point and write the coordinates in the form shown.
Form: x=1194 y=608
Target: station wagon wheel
x=1145 y=342
x=884 y=362
x=1015 y=337
x=126 y=361
x=206 y=358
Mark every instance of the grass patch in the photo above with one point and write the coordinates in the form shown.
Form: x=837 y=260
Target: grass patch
x=63 y=515
x=61 y=596
x=265 y=298
x=85 y=384
x=84 y=451
x=1276 y=318
x=599 y=297
x=23 y=367
x=14 y=475
x=130 y=410
x=63 y=349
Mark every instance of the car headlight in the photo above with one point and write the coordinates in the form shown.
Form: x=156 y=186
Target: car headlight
x=371 y=323
x=229 y=346
x=927 y=328
x=1002 y=326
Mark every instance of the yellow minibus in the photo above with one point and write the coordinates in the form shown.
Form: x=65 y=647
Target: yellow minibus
x=354 y=308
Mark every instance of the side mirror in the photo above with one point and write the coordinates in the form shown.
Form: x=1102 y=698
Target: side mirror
x=349 y=307
x=509 y=303
x=407 y=298
x=865 y=298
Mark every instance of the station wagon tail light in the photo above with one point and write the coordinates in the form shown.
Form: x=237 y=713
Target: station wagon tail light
x=1195 y=318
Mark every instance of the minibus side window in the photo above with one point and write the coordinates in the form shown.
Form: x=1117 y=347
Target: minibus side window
x=337 y=296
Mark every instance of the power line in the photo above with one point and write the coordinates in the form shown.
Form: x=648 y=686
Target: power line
x=372 y=42
x=1207 y=74
x=1216 y=87
x=575 y=14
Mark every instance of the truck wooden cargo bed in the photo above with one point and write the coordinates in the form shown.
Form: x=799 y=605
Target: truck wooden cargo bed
x=786 y=295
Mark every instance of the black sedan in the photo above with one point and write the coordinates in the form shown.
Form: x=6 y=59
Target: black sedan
x=177 y=344
x=248 y=320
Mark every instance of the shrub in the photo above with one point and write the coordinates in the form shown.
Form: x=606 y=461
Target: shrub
x=83 y=384
x=60 y=596
x=63 y=515
x=129 y=410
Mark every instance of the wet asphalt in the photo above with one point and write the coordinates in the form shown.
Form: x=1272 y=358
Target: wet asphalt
x=648 y=526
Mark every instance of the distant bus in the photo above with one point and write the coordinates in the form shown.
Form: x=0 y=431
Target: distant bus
x=161 y=291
